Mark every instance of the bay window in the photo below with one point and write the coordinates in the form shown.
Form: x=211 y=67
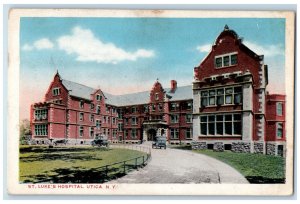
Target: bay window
x=221 y=96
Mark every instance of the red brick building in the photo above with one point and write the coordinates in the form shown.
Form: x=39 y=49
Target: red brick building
x=227 y=107
x=231 y=108
x=79 y=113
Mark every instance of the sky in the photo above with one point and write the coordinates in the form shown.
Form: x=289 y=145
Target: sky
x=125 y=55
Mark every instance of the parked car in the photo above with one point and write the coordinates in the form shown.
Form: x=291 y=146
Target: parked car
x=159 y=142
x=100 y=142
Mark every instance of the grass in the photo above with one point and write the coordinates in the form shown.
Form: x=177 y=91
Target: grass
x=257 y=168
x=73 y=164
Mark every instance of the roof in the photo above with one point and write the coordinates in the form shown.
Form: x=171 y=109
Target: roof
x=82 y=91
x=78 y=90
x=181 y=93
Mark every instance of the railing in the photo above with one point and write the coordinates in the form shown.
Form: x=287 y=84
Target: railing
x=119 y=169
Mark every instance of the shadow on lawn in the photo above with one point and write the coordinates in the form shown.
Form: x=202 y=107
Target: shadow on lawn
x=45 y=149
x=76 y=175
x=73 y=157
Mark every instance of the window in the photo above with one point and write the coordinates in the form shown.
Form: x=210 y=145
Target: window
x=146 y=109
x=160 y=107
x=81 y=117
x=212 y=97
x=221 y=96
x=233 y=59
x=126 y=121
x=156 y=96
x=120 y=114
x=133 y=133
x=237 y=95
x=174 y=133
x=41 y=130
x=153 y=107
x=216 y=125
x=228 y=95
x=134 y=121
x=108 y=119
x=174 y=118
x=81 y=131
x=98 y=97
x=188 y=118
x=188 y=133
x=114 y=133
x=219 y=62
x=41 y=114
x=226 y=60
x=56 y=91
x=91 y=132
x=189 y=105
x=107 y=109
x=204 y=98
x=279 y=108
x=98 y=124
x=279 y=130
x=92 y=118
x=126 y=133
x=81 y=104
x=120 y=127
x=108 y=132
x=113 y=121
x=92 y=106
x=133 y=109
x=174 y=106
x=98 y=110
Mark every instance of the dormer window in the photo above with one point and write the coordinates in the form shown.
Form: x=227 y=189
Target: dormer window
x=56 y=91
x=81 y=104
x=226 y=60
x=98 y=97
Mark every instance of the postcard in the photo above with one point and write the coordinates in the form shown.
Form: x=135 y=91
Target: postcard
x=150 y=102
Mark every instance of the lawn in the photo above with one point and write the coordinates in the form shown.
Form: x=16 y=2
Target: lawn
x=73 y=164
x=257 y=168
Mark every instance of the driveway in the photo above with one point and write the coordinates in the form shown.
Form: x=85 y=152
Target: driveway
x=180 y=166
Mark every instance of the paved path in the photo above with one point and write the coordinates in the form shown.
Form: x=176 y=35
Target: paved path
x=180 y=166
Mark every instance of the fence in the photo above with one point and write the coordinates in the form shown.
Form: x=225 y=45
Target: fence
x=119 y=169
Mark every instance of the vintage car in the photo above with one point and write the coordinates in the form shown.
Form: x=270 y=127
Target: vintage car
x=160 y=142
x=99 y=142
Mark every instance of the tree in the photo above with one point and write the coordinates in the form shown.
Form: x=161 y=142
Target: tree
x=24 y=131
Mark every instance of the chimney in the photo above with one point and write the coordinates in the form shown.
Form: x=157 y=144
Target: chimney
x=173 y=85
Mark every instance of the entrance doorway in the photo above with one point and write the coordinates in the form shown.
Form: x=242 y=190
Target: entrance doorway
x=151 y=134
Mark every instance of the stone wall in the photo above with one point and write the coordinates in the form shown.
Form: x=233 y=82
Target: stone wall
x=271 y=149
x=218 y=147
x=199 y=145
x=241 y=147
x=258 y=147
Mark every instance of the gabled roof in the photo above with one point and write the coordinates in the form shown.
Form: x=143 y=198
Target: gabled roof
x=84 y=92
